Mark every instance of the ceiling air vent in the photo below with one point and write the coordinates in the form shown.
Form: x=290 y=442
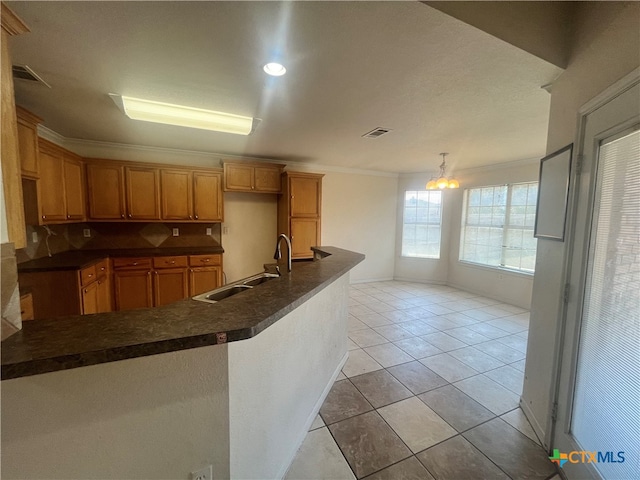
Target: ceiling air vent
x=376 y=132
x=24 y=72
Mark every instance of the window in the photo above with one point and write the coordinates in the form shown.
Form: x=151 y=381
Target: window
x=497 y=226
x=421 y=224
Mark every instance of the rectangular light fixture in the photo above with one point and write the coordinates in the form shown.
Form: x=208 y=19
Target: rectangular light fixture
x=167 y=113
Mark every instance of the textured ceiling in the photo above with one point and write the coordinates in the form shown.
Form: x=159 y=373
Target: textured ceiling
x=438 y=83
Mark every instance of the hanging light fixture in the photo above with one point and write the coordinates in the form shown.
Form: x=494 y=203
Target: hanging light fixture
x=442 y=181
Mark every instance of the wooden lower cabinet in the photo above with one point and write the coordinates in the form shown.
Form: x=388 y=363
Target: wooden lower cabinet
x=170 y=285
x=203 y=279
x=304 y=235
x=90 y=299
x=133 y=289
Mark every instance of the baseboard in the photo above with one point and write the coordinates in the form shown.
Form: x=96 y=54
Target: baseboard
x=484 y=294
x=537 y=429
x=425 y=282
x=369 y=280
x=314 y=413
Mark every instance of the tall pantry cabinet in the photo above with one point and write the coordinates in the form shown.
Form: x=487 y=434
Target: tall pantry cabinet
x=300 y=211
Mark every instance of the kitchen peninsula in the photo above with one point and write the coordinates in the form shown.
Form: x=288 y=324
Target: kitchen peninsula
x=168 y=390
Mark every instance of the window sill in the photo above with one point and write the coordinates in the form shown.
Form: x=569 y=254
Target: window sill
x=508 y=271
x=419 y=258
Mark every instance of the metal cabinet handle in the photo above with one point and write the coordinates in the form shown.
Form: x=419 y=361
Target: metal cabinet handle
x=90 y=275
x=196 y=217
x=44 y=217
x=129 y=215
x=134 y=264
x=122 y=215
x=68 y=216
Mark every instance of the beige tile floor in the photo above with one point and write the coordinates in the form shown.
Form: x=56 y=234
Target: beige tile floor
x=430 y=391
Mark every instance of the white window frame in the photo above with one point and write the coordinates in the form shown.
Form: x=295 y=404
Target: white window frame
x=427 y=223
x=505 y=225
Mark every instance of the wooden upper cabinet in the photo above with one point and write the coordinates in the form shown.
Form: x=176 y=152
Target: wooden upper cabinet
x=300 y=211
x=267 y=179
x=249 y=177
x=176 y=194
x=306 y=196
x=52 y=194
x=28 y=142
x=74 y=187
x=105 y=185
x=207 y=197
x=143 y=193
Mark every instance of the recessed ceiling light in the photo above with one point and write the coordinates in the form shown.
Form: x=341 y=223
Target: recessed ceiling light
x=274 y=69
x=167 y=113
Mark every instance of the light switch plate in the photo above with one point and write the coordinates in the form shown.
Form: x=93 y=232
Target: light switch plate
x=86 y=232
x=176 y=232
x=209 y=231
x=34 y=237
x=204 y=474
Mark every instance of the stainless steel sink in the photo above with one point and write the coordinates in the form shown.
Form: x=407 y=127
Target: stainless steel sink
x=234 y=288
x=260 y=278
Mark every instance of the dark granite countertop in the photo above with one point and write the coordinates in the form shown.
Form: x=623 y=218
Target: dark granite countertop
x=76 y=259
x=63 y=343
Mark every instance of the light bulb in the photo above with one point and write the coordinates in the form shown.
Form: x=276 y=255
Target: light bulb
x=442 y=183
x=453 y=183
x=431 y=184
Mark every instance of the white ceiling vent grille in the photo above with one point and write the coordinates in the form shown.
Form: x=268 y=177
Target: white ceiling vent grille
x=376 y=132
x=24 y=72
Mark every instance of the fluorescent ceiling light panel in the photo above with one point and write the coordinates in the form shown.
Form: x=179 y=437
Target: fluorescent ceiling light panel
x=158 y=112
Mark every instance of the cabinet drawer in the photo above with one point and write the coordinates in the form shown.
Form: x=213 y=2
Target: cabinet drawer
x=169 y=262
x=102 y=267
x=87 y=275
x=132 y=263
x=205 y=260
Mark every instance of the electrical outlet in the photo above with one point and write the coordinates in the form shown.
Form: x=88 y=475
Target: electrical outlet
x=34 y=237
x=86 y=232
x=176 y=232
x=205 y=473
x=209 y=231
x=225 y=230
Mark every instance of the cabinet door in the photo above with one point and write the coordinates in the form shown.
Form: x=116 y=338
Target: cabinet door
x=176 y=195
x=305 y=196
x=133 y=289
x=74 y=190
x=170 y=285
x=52 y=187
x=267 y=179
x=238 y=178
x=143 y=193
x=207 y=197
x=305 y=233
x=204 y=279
x=28 y=145
x=90 y=299
x=106 y=192
x=104 y=295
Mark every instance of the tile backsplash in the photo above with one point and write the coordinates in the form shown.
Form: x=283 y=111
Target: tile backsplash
x=60 y=238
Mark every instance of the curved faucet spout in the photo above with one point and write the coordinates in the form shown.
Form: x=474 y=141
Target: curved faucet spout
x=278 y=254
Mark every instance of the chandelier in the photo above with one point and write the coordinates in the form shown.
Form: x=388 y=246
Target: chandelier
x=442 y=181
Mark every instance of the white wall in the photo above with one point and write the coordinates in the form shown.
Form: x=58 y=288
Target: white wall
x=243 y=407
x=154 y=417
x=605 y=49
x=509 y=287
x=359 y=214
x=277 y=392
x=427 y=270
x=251 y=220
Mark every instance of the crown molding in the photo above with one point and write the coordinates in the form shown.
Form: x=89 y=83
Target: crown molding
x=144 y=153
x=11 y=23
x=483 y=168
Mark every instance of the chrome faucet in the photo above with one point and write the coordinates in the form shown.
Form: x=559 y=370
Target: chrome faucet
x=278 y=254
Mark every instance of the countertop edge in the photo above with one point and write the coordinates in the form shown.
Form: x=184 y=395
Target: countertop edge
x=342 y=262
